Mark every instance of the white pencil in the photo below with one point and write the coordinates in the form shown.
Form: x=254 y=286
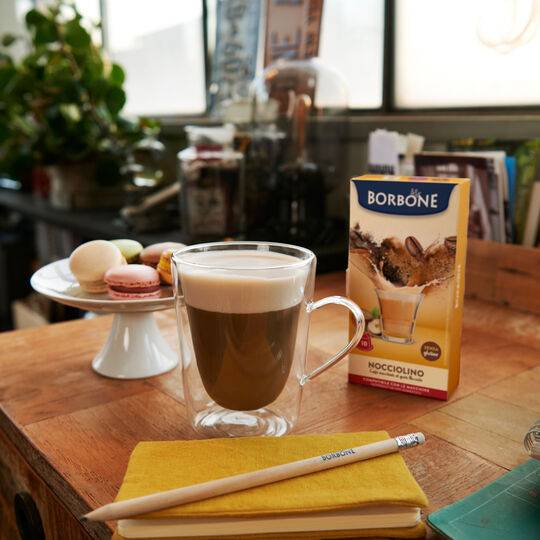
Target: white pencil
x=222 y=486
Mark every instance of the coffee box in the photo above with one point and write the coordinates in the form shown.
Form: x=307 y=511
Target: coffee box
x=407 y=247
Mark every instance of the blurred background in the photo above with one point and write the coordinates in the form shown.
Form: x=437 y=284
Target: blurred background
x=200 y=120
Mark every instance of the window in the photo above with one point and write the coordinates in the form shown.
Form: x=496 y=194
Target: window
x=466 y=54
x=459 y=54
x=12 y=14
x=160 y=46
x=352 y=42
x=89 y=9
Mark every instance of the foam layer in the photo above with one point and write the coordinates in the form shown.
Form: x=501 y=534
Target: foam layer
x=249 y=283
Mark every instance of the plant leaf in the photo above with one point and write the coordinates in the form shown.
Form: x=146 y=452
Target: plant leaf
x=70 y=111
x=6 y=75
x=9 y=39
x=41 y=27
x=76 y=35
x=45 y=33
x=34 y=17
x=117 y=75
x=115 y=99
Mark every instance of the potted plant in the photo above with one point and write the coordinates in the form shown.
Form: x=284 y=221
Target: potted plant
x=60 y=108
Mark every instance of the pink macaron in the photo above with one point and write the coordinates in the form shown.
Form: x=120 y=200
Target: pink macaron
x=150 y=255
x=132 y=281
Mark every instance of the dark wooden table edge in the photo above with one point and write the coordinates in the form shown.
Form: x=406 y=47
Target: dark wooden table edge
x=56 y=483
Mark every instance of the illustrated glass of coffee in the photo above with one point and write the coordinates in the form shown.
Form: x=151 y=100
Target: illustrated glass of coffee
x=398 y=314
x=243 y=313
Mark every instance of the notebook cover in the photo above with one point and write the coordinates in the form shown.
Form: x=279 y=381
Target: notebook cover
x=159 y=466
x=508 y=509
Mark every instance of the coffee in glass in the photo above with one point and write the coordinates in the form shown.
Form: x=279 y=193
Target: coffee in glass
x=243 y=327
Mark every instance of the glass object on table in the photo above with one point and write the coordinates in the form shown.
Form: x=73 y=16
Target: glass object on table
x=295 y=95
x=243 y=312
x=211 y=177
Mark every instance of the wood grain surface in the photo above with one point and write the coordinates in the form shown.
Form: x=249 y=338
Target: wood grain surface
x=75 y=429
x=504 y=273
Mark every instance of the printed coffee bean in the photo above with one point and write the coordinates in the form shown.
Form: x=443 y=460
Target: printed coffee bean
x=414 y=247
x=360 y=240
x=450 y=243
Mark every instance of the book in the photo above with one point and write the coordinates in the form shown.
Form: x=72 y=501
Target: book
x=530 y=234
x=503 y=189
x=486 y=214
x=527 y=171
x=376 y=497
x=511 y=173
x=508 y=508
x=522 y=169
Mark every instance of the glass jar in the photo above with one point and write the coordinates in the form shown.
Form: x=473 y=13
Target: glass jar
x=212 y=189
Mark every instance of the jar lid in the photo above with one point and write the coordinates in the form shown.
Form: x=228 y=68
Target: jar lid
x=210 y=136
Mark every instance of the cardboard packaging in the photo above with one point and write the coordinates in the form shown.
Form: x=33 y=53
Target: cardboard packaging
x=407 y=248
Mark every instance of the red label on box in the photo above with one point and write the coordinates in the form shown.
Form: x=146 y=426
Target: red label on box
x=365 y=343
x=401 y=387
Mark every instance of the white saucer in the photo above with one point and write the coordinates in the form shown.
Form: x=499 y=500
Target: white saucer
x=135 y=348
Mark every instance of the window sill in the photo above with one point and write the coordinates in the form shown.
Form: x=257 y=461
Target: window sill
x=435 y=126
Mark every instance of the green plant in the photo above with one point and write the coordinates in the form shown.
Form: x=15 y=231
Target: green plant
x=61 y=102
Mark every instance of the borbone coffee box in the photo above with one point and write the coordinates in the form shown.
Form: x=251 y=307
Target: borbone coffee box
x=408 y=240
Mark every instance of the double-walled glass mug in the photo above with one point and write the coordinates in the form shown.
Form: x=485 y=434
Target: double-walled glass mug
x=243 y=313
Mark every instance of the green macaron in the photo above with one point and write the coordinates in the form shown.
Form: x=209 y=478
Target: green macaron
x=130 y=249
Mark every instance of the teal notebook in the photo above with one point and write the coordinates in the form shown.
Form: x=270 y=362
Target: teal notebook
x=508 y=509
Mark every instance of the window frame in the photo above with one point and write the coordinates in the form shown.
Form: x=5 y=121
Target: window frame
x=388 y=111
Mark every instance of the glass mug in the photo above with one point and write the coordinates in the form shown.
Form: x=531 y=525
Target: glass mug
x=243 y=311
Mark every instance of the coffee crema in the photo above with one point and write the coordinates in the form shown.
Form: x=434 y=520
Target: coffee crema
x=243 y=315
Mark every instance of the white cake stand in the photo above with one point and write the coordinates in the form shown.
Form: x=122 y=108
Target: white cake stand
x=135 y=347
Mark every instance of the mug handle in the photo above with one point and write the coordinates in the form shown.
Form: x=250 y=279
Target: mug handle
x=359 y=332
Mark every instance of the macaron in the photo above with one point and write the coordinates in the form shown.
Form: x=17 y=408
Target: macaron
x=132 y=281
x=164 y=266
x=91 y=260
x=130 y=249
x=150 y=255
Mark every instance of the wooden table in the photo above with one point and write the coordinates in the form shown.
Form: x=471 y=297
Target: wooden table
x=66 y=433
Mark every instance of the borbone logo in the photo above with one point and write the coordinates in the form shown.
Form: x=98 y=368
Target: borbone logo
x=404 y=198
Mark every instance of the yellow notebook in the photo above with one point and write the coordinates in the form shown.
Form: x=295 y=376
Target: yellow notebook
x=377 y=497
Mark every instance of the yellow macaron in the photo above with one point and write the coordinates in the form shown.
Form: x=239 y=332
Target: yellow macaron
x=164 y=266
